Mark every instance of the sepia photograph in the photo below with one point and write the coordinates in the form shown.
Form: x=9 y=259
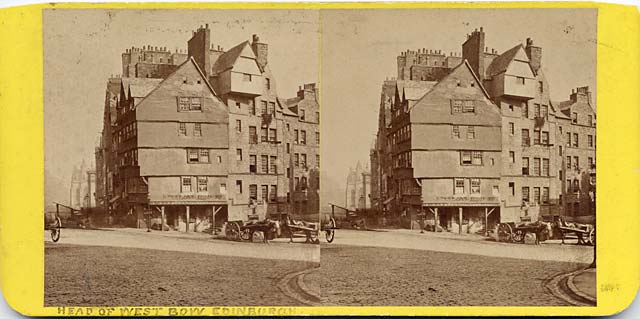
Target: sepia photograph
x=181 y=157
x=460 y=152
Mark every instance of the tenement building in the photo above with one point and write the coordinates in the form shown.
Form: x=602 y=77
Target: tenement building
x=471 y=140
x=199 y=138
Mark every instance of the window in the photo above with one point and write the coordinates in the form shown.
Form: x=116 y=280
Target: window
x=536 y=195
x=202 y=184
x=471 y=132
x=560 y=175
x=590 y=161
x=525 y=137
x=246 y=77
x=317 y=138
x=465 y=157
x=536 y=137
x=545 y=195
x=495 y=191
x=468 y=106
x=456 y=131
x=545 y=111
x=576 y=186
x=574 y=118
x=545 y=138
x=568 y=138
x=193 y=155
x=185 y=184
x=536 y=166
x=575 y=139
x=576 y=163
x=296 y=159
x=458 y=187
x=303 y=137
x=560 y=129
x=511 y=107
x=545 y=167
x=263 y=107
x=272 y=135
x=475 y=186
x=512 y=188
x=296 y=184
x=317 y=160
x=568 y=162
x=264 y=160
x=456 y=106
x=590 y=140
x=238 y=154
x=253 y=191
x=302 y=115
x=525 y=110
x=238 y=105
x=590 y=119
x=536 y=110
x=252 y=108
x=288 y=127
x=222 y=189
x=267 y=84
x=253 y=135
x=238 y=126
x=318 y=117
x=204 y=156
x=303 y=183
x=274 y=193
x=519 y=80
x=559 y=150
x=303 y=160
x=525 y=166
x=263 y=135
x=525 y=194
x=288 y=148
x=512 y=156
x=183 y=104
x=569 y=188
x=272 y=108
x=540 y=87
x=512 y=128
x=239 y=186
x=295 y=137
x=477 y=158
x=273 y=168
x=182 y=129
x=264 y=192
x=197 y=129
x=252 y=164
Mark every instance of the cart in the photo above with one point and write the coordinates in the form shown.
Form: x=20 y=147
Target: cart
x=585 y=233
x=311 y=230
x=511 y=232
x=241 y=230
x=53 y=224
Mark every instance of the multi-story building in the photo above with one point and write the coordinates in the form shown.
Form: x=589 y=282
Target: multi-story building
x=209 y=139
x=577 y=150
x=494 y=111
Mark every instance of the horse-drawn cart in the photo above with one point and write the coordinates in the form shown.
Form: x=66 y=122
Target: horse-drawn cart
x=311 y=230
x=585 y=233
x=240 y=230
x=511 y=232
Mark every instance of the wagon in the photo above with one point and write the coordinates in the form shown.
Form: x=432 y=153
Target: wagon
x=310 y=230
x=53 y=224
x=241 y=230
x=515 y=233
x=586 y=233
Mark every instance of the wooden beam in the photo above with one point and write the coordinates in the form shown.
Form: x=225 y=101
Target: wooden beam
x=460 y=220
x=162 y=218
x=187 y=221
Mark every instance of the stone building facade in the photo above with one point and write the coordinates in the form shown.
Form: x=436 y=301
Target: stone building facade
x=204 y=137
x=494 y=111
x=358 y=189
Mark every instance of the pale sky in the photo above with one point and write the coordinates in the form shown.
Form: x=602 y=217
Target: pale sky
x=82 y=49
x=359 y=49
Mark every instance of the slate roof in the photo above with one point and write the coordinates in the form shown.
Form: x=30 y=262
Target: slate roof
x=228 y=59
x=139 y=87
x=414 y=90
x=501 y=62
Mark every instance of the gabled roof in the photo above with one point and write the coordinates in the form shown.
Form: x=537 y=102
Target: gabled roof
x=286 y=104
x=414 y=90
x=501 y=63
x=466 y=64
x=228 y=59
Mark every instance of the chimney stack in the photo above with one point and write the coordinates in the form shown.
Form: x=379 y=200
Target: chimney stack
x=261 y=50
x=198 y=49
x=472 y=52
x=535 y=55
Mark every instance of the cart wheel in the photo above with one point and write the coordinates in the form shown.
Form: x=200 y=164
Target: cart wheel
x=518 y=236
x=55 y=230
x=504 y=233
x=331 y=233
x=592 y=237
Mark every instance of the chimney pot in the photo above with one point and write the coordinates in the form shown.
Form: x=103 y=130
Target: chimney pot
x=480 y=29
